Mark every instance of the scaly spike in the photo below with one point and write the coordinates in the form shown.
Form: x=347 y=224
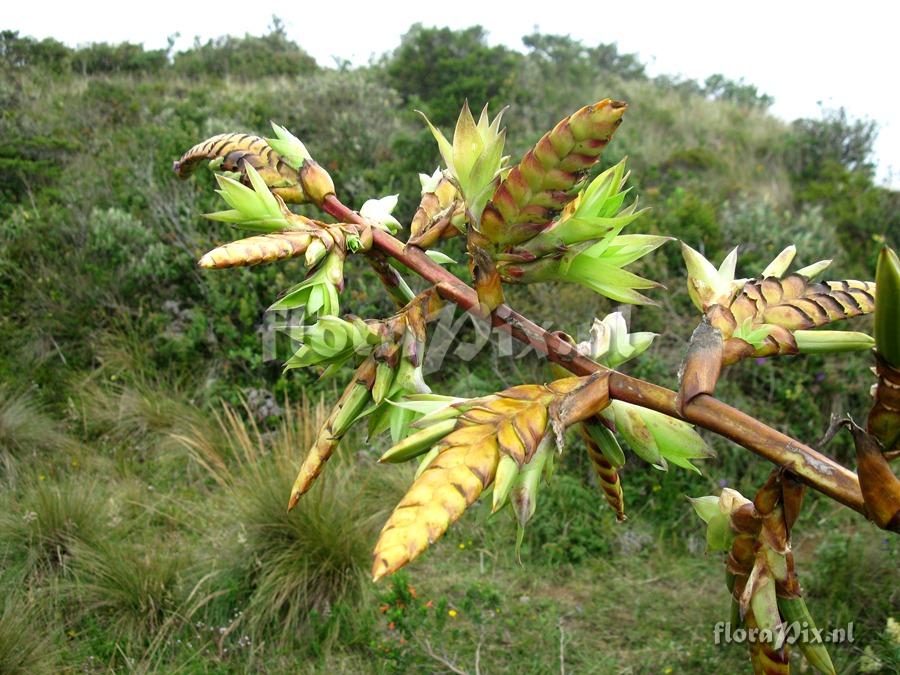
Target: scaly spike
x=607 y=475
x=555 y=165
x=235 y=152
x=256 y=250
x=437 y=498
x=352 y=402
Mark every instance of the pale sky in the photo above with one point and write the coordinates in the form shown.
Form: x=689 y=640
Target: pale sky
x=842 y=54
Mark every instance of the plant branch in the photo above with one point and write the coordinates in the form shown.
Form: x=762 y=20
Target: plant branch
x=813 y=468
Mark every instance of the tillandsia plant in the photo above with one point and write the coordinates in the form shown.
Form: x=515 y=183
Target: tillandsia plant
x=554 y=216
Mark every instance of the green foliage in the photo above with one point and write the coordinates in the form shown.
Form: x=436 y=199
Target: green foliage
x=47 y=519
x=720 y=87
x=248 y=57
x=26 y=647
x=564 y=58
x=437 y=69
x=835 y=139
x=22 y=52
x=136 y=592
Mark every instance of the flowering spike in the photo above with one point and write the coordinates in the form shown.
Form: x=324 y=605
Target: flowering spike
x=606 y=472
x=475 y=157
x=552 y=168
x=237 y=152
x=255 y=250
x=506 y=436
x=884 y=418
x=887 y=307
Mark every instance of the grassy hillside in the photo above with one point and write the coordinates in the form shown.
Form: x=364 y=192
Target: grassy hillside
x=146 y=448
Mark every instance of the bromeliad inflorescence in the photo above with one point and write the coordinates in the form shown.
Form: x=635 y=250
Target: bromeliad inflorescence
x=554 y=217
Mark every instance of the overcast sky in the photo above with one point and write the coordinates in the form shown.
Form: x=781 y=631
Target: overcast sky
x=802 y=53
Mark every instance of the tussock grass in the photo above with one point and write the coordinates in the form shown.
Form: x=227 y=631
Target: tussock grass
x=291 y=570
x=129 y=402
x=142 y=415
x=231 y=445
x=25 y=428
x=40 y=528
x=138 y=591
x=25 y=645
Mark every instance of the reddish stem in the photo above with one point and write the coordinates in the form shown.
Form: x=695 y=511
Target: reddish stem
x=813 y=468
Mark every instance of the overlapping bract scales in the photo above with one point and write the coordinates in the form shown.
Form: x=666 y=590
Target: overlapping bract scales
x=776 y=312
x=797 y=304
x=440 y=214
x=234 y=152
x=468 y=440
x=535 y=190
x=607 y=475
x=586 y=246
x=256 y=250
x=784 y=309
x=353 y=401
x=451 y=483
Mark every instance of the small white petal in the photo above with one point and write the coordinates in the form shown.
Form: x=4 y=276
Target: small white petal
x=430 y=183
x=379 y=211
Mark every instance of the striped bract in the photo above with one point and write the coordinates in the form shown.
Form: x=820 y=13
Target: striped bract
x=234 y=151
x=536 y=189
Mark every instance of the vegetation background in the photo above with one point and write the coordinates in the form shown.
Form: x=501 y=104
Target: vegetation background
x=146 y=448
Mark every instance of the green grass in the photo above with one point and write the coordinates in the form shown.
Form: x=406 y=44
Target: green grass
x=135 y=592
x=26 y=429
x=44 y=519
x=26 y=644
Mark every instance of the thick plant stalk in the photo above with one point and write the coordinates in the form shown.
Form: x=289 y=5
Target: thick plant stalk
x=812 y=467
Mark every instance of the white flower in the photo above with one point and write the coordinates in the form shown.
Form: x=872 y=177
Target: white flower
x=611 y=344
x=430 y=183
x=379 y=212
